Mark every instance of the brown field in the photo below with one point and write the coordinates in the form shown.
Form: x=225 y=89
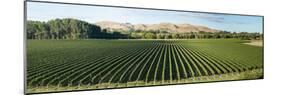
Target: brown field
x=256 y=43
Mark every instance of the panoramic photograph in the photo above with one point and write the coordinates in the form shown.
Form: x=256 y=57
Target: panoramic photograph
x=71 y=47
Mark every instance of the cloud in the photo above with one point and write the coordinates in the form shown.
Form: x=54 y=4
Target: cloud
x=213 y=19
x=205 y=16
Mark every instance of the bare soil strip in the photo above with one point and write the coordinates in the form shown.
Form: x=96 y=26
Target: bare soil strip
x=255 y=43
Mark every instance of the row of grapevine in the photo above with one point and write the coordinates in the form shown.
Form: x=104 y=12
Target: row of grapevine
x=91 y=62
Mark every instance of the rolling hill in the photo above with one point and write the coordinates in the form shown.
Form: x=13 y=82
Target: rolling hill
x=168 y=27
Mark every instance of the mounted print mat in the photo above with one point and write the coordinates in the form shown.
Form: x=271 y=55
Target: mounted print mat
x=72 y=47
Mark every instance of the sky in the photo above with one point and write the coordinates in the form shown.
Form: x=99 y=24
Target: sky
x=234 y=23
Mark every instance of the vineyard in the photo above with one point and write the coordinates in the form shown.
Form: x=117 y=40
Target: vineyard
x=60 y=65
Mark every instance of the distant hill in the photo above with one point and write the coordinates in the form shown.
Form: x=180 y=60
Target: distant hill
x=168 y=27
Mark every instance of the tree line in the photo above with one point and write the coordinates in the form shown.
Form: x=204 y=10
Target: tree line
x=69 y=28
x=196 y=35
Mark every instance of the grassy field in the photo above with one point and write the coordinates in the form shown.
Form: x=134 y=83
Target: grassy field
x=61 y=65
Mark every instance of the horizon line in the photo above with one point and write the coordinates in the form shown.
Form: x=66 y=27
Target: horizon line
x=140 y=23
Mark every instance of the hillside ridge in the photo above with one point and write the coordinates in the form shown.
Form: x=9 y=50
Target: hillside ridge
x=164 y=26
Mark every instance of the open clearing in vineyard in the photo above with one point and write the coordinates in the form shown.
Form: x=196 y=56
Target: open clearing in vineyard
x=256 y=43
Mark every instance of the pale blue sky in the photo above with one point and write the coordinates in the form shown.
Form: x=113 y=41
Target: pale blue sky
x=235 y=23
